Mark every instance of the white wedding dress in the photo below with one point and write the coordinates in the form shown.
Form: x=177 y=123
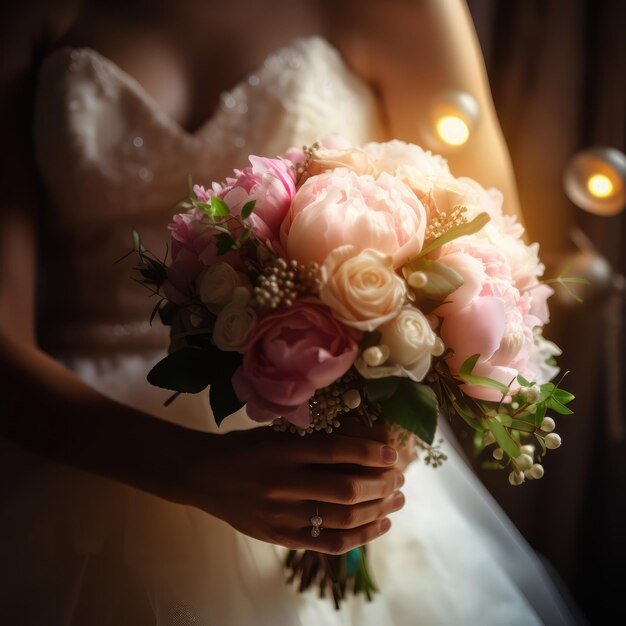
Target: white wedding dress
x=75 y=549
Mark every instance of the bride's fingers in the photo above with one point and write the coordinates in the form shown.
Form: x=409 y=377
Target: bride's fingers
x=340 y=488
x=331 y=541
x=344 y=517
x=339 y=449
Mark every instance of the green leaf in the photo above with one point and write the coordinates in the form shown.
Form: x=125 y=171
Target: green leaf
x=247 y=209
x=223 y=399
x=502 y=437
x=378 y=389
x=413 y=406
x=245 y=235
x=465 y=374
x=506 y=419
x=471 y=421
x=523 y=426
x=540 y=413
x=201 y=340
x=555 y=405
x=191 y=369
x=155 y=310
x=205 y=207
x=562 y=396
x=190 y=186
x=469 y=228
x=441 y=280
x=188 y=370
x=152 y=270
x=523 y=382
x=545 y=391
x=225 y=243
x=219 y=207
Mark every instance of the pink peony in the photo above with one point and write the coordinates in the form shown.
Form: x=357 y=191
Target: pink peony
x=340 y=208
x=193 y=249
x=291 y=353
x=192 y=242
x=271 y=182
x=486 y=316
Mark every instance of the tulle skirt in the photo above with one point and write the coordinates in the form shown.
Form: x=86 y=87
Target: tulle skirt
x=75 y=549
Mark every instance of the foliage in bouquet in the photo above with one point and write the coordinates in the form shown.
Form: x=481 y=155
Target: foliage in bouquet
x=368 y=282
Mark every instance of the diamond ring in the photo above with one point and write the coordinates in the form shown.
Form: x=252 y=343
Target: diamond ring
x=316 y=524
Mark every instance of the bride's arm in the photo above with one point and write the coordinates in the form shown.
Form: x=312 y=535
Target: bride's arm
x=411 y=50
x=262 y=483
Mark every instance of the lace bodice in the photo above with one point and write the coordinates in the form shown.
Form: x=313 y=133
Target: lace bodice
x=111 y=161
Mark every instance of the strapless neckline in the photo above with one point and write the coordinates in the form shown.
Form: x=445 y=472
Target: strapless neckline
x=112 y=160
x=280 y=57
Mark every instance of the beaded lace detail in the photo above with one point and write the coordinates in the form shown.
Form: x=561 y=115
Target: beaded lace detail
x=112 y=160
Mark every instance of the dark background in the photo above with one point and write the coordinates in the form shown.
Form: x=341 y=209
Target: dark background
x=557 y=70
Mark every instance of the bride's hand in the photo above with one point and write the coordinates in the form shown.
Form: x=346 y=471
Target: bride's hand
x=268 y=485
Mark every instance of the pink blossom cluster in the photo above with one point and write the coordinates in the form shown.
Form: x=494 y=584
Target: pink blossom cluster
x=362 y=216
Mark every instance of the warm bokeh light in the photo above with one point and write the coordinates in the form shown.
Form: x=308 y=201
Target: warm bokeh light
x=600 y=186
x=453 y=130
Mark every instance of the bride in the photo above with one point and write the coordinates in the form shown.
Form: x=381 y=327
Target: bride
x=111 y=516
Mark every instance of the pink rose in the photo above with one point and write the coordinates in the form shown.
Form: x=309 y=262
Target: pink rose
x=340 y=208
x=291 y=353
x=271 y=182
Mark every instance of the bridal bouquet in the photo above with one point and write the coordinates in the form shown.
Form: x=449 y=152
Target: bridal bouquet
x=346 y=282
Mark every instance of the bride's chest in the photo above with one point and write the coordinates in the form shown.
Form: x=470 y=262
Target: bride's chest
x=105 y=146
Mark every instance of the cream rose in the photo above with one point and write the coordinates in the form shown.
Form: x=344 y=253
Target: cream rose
x=410 y=344
x=235 y=323
x=353 y=159
x=361 y=288
x=389 y=156
x=216 y=285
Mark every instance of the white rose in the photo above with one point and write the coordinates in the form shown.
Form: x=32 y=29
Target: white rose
x=234 y=325
x=411 y=343
x=216 y=285
x=361 y=288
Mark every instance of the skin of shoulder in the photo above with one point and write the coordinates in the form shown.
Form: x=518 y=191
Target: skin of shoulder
x=411 y=50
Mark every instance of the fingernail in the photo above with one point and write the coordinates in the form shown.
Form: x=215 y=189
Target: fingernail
x=398 y=501
x=389 y=455
x=399 y=479
x=384 y=526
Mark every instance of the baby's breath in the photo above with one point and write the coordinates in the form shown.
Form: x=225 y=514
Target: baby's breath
x=282 y=282
x=442 y=223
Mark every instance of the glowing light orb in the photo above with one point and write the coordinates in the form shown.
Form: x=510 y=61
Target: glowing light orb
x=600 y=186
x=453 y=130
x=595 y=180
x=450 y=121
